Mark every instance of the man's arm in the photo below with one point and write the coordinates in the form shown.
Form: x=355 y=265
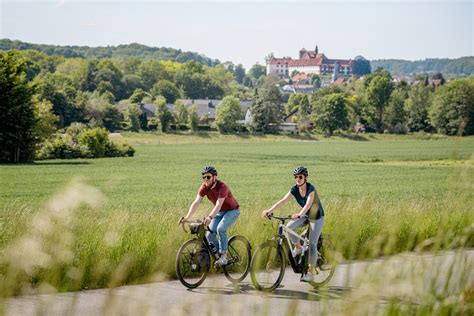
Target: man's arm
x=217 y=207
x=194 y=206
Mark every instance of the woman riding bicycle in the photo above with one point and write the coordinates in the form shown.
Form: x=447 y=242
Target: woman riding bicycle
x=225 y=211
x=306 y=196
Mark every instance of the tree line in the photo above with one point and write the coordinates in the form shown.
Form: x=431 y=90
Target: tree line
x=458 y=66
x=121 y=51
x=42 y=94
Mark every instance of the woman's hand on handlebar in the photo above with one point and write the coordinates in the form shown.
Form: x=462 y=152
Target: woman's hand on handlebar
x=265 y=213
x=295 y=217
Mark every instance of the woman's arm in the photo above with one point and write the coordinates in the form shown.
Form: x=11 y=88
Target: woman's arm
x=278 y=204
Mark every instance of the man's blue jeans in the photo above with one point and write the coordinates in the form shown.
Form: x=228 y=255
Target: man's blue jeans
x=219 y=226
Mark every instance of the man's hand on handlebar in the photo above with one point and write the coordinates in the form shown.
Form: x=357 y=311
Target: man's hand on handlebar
x=181 y=220
x=207 y=220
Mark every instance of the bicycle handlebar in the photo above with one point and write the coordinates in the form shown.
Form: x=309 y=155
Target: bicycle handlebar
x=281 y=218
x=199 y=221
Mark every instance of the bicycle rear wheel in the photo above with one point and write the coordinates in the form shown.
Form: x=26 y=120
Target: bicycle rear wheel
x=192 y=263
x=325 y=265
x=268 y=266
x=238 y=256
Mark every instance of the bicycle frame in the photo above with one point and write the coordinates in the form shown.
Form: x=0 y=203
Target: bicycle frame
x=284 y=234
x=205 y=241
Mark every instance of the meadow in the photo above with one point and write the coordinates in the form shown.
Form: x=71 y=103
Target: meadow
x=93 y=223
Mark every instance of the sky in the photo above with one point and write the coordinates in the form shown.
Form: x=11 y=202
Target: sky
x=247 y=31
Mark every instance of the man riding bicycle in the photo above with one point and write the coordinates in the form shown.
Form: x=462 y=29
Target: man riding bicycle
x=223 y=215
x=312 y=211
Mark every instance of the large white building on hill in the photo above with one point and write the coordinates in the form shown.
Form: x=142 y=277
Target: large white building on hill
x=309 y=62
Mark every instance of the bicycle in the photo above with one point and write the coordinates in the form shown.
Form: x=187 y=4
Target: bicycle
x=193 y=260
x=269 y=260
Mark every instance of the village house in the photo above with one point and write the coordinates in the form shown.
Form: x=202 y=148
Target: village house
x=206 y=109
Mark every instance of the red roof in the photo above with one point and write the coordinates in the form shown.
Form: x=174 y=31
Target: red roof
x=339 y=80
x=276 y=61
x=300 y=77
x=313 y=60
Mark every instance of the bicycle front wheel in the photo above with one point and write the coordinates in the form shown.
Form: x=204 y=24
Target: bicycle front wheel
x=268 y=266
x=325 y=265
x=192 y=263
x=238 y=256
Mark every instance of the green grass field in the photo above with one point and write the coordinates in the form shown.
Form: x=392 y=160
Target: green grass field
x=382 y=195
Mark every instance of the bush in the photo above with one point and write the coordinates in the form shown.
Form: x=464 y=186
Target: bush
x=96 y=140
x=119 y=150
x=62 y=148
x=79 y=142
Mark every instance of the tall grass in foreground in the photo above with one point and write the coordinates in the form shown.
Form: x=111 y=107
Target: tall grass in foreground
x=71 y=245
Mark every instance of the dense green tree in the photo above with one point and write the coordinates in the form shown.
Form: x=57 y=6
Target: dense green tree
x=377 y=95
x=239 y=73
x=304 y=110
x=417 y=106
x=60 y=91
x=17 y=117
x=109 y=78
x=45 y=125
x=75 y=69
x=315 y=81
x=267 y=109
x=130 y=83
x=132 y=117
x=361 y=66
x=193 y=118
x=293 y=103
x=395 y=118
x=90 y=78
x=151 y=71
x=181 y=115
x=129 y=66
x=100 y=112
x=452 y=112
x=227 y=114
x=163 y=113
x=222 y=79
x=197 y=83
x=330 y=113
x=257 y=71
x=167 y=89
x=137 y=96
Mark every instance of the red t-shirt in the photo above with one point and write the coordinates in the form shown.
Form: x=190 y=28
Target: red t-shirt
x=220 y=190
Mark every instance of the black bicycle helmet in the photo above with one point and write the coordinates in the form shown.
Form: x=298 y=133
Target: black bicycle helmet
x=209 y=169
x=300 y=170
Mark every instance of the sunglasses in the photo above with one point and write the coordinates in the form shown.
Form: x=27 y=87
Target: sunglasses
x=207 y=177
x=299 y=177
